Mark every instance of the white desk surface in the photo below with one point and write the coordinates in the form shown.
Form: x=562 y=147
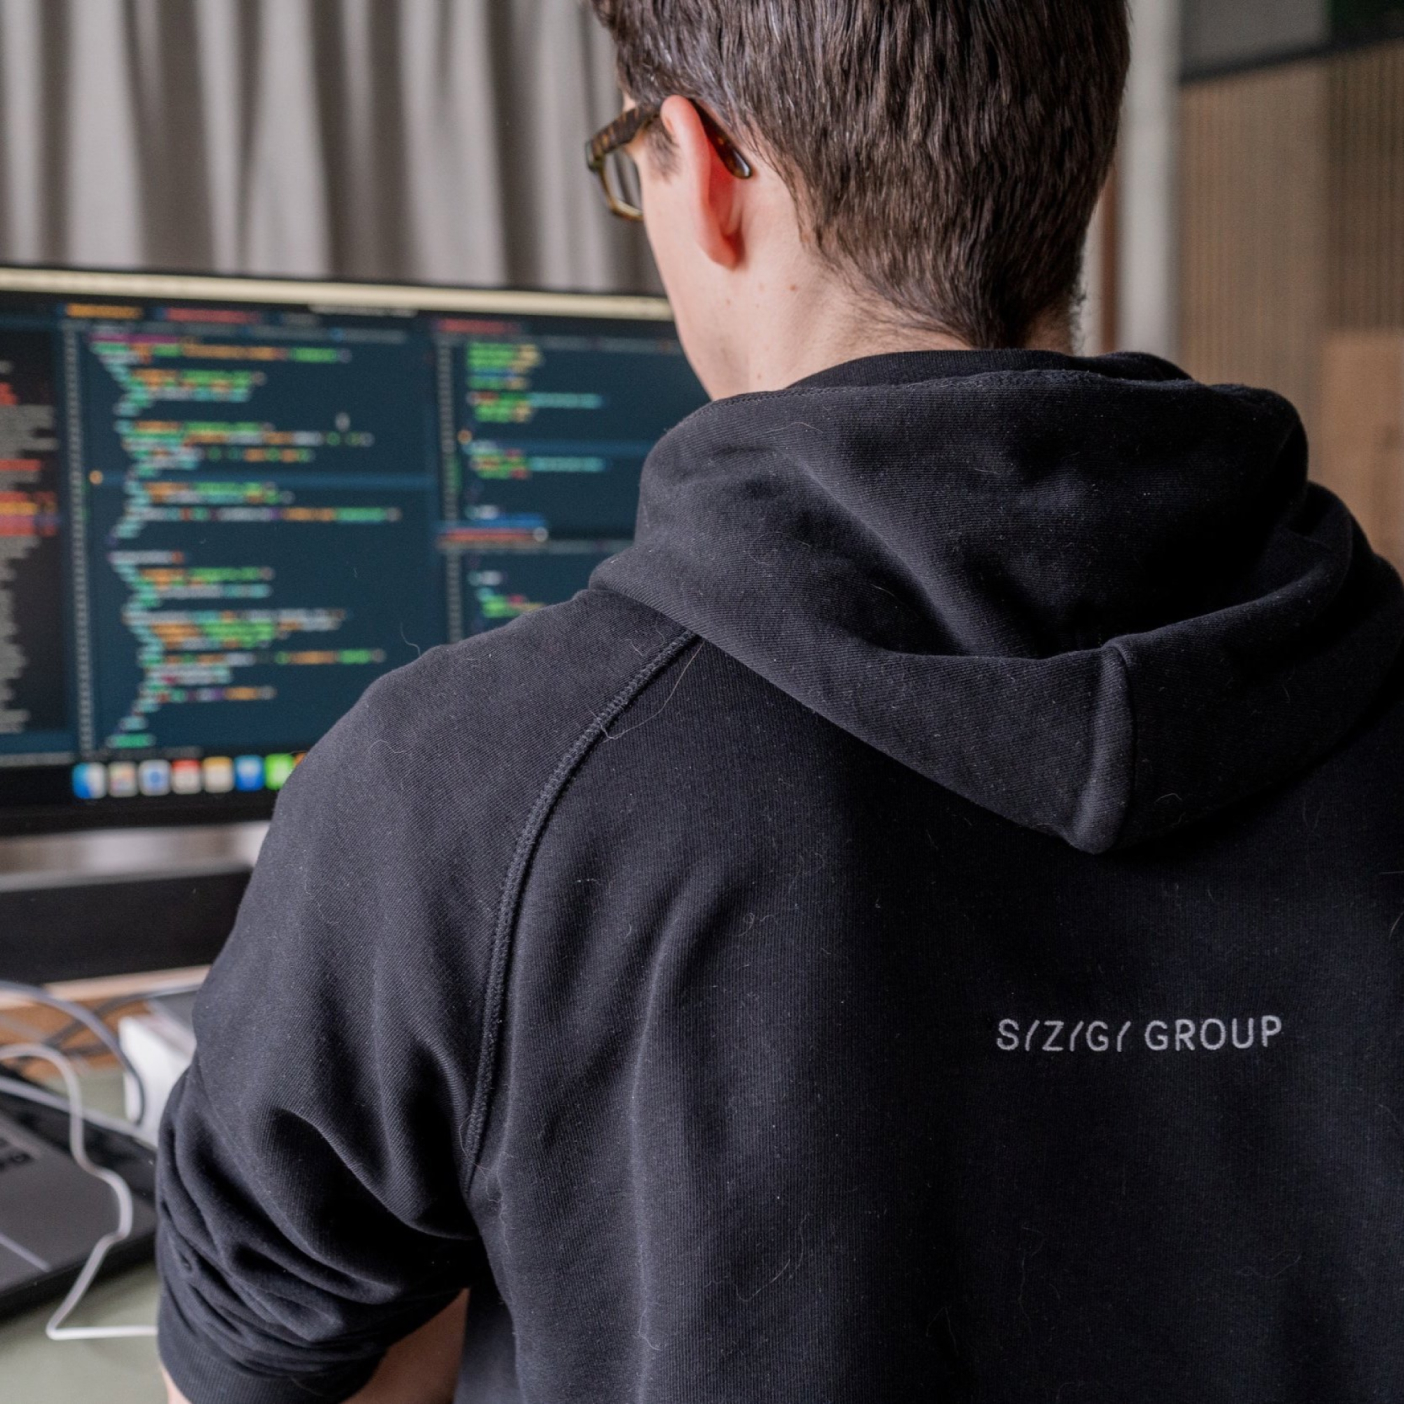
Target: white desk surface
x=36 y=1370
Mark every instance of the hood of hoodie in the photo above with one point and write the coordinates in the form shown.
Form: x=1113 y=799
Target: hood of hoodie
x=1091 y=595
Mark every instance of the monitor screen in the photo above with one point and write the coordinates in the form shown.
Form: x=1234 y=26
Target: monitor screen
x=227 y=506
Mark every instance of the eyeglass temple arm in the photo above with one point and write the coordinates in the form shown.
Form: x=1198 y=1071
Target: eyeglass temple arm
x=629 y=124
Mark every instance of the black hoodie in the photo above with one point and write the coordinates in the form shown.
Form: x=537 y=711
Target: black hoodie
x=927 y=924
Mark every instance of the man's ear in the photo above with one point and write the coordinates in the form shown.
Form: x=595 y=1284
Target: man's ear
x=713 y=195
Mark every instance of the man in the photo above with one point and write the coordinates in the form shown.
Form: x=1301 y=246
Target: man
x=926 y=924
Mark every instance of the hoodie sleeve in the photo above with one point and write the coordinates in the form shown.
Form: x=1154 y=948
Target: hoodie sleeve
x=311 y=1194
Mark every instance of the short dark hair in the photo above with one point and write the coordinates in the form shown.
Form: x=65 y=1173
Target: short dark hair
x=946 y=154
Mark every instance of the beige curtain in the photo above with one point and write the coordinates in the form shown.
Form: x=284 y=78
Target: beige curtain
x=437 y=140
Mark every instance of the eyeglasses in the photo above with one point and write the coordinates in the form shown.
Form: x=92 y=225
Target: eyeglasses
x=619 y=176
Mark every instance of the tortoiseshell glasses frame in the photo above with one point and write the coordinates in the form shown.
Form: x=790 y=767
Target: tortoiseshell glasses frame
x=612 y=141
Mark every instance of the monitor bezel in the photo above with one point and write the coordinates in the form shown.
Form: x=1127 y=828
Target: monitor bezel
x=336 y=295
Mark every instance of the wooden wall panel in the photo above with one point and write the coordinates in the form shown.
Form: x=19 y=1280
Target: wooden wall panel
x=1292 y=212
x=1254 y=235
x=1366 y=206
x=1362 y=438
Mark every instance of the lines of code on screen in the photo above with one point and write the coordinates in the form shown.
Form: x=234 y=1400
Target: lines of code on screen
x=33 y=663
x=262 y=511
x=219 y=523
x=554 y=421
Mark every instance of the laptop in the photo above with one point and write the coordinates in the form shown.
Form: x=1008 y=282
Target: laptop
x=52 y=1212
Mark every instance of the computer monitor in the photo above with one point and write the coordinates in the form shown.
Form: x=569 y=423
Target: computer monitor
x=228 y=505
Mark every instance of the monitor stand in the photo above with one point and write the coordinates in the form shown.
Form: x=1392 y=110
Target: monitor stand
x=92 y=906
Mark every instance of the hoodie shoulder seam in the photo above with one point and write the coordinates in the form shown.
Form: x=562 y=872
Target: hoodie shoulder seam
x=509 y=903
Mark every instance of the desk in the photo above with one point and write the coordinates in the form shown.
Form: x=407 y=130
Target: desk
x=36 y=1370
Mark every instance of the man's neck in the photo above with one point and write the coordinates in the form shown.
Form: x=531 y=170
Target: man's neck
x=802 y=332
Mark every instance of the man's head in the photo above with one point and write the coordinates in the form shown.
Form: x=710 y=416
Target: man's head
x=931 y=165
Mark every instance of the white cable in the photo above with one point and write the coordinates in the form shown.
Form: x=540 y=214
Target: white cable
x=55 y=1330
x=91 y=1022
